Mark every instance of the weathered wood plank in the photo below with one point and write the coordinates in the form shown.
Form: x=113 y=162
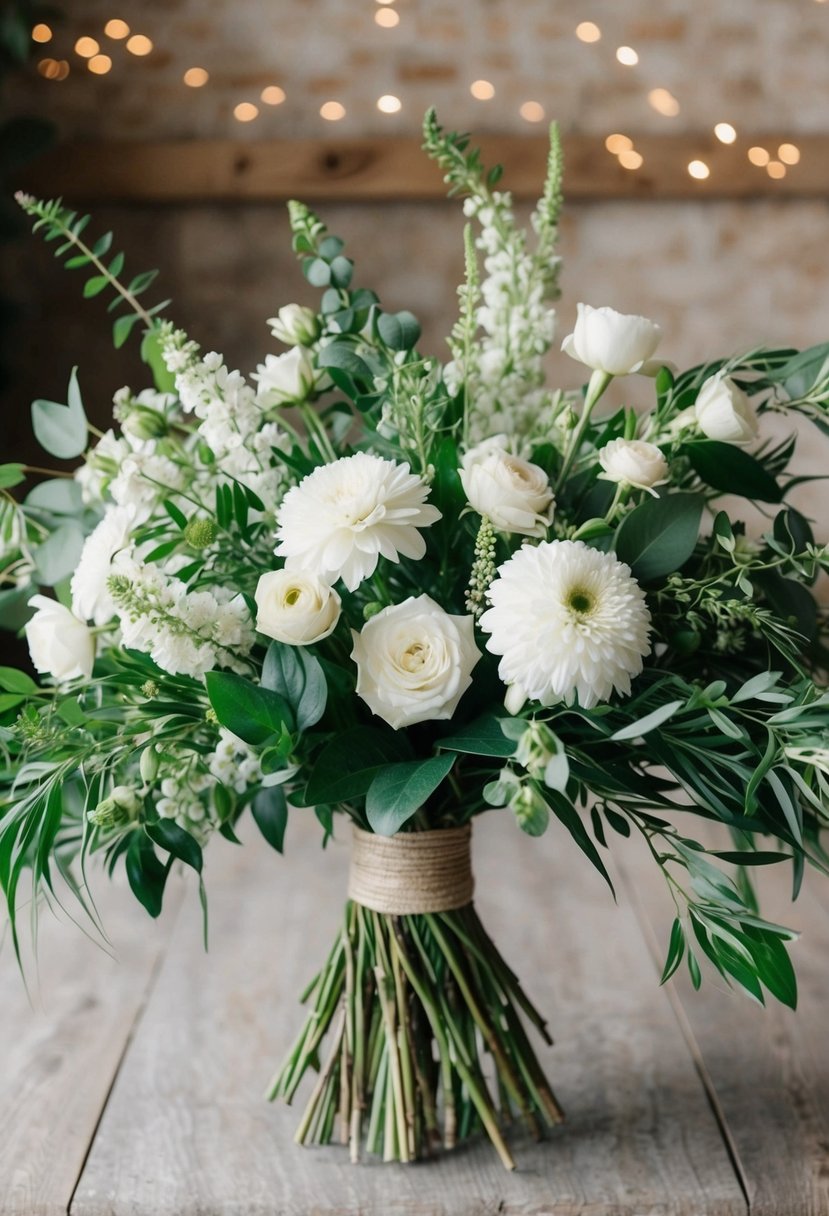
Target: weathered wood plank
x=186 y=1130
x=397 y=169
x=768 y=1069
x=58 y=1059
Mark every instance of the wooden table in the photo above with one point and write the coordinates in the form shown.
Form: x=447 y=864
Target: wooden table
x=135 y=1087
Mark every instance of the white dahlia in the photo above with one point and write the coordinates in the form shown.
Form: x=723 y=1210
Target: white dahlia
x=568 y=621
x=342 y=518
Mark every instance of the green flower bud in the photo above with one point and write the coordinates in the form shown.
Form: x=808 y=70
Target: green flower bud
x=530 y=810
x=371 y=609
x=200 y=533
x=148 y=765
x=118 y=810
x=150 y=689
x=145 y=423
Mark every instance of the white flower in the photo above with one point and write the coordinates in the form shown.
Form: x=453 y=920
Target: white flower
x=633 y=462
x=144 y=478
x=514 y=494
x=414 y=661
x=723 y=411
x=295 y=325
x=342 y=518
x=60 y=645
x=90 y=596
x=611 y=342
x=284 y=379
x=567 y=620
x=296 y=607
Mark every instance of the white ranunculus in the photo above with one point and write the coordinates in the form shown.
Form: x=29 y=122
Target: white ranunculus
x=60 y=645
x=285 y=379
x=295 y=325
x=414 y=661
x=514 y=494
x=296 y=607
x=723 y=411
x=633 y=462
x=611 y=342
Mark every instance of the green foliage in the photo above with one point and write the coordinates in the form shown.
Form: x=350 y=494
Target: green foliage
x=398 y=790
x=297 y=676
x=660 y=535
x=253 y=712
x=347 y=765
x=62 y=429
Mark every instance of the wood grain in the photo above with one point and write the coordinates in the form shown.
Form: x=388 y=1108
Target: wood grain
x=58 y=1058
x=767 y=1069
x=186 y=1130
x=397 y=169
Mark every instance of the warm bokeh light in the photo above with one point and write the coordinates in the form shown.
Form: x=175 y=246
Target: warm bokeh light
x=385 y=1
x=99 y=64
x=41 y=33
x=139 y=44
x=629 y=159
x=627 y=56
x=272 y=95
x=194 y=78
x=116 y=28
x=789 y=154
x=245 y=111
x=86 y=47
x=588 y=31
x=725 y=133
x=333 y=111
x=618 y=143
x=387 y=18
x=776 y=169
x=699 y=170
x=532 y=111
x=389 y=104
x=482 y=90
x=758 y=156
x=48 y=68
x=664 y=102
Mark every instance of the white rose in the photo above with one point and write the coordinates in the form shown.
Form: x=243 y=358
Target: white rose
x=723 y=411
x=633 y=462
x=296 y=607
x=60 y=645
x=295 y=325
x=414 y=661
x=514 y=494
x=284 y=379
x=613 y=343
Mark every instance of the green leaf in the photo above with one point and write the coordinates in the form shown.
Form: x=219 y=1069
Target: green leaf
x=294 y=673
x=253 y=713
x=12 y=680
x=11 y=475
x=164 y=380
x=774 y=967
x=145 y=873
x=659 y=536
x=142 y=281
x=650 y=722
x=59 y=554
x=339 y=356
x=727 y=468
x=122 y=327
x=483 y=737
x=567 y=814
x=676 y=949
x=346 y=766
x=317 y=272
x=397 y=791
x=270 y=812
x=175 y=840
x=741 y=857
x=400 y=330
x=341 y=270
x=61 y=496
x=695 y=973
x=61 y=429
x=94 y=286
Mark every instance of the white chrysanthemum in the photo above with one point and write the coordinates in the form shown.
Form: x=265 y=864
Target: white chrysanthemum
x=342 y=518
x=568 y=621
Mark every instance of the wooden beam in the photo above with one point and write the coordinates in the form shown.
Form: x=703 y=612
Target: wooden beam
x=227 y=170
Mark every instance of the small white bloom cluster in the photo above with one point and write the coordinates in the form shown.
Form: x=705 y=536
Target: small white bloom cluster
x=233 y=763
x=184 y=782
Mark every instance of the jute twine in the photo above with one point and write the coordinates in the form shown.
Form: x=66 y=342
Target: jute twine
x=412 y=872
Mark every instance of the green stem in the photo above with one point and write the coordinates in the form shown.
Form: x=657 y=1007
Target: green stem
x=597 y=385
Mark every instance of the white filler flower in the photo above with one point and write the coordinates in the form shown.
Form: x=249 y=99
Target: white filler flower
x=514 y=494
x=724 y=412
x=612 y=342
x=414 y=661
x=633 y=462
x=567 y=620
x=60 y=644
x=296 y=607
x=342 y=518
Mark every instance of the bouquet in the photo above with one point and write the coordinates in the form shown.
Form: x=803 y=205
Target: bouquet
x=365 y=585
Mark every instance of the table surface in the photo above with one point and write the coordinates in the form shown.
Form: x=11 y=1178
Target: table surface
x=133 y=1086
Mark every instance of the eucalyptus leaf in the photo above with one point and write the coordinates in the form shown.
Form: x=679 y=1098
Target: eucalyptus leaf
x=61 y=429
x=398 y=790
x=659 y=536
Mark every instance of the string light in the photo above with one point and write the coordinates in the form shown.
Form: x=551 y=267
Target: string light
x=532 y=111
x=725 y=133
x=245 y=111
x=699 y=170
x=389 y=104
x=99 y=64
x=333 y=111
x=387 y=18
x=789 y=154
x=272 y=95
x=629 y=159
x=194 y=78
x=86 y=47
x=588 y=31
x=41 y=33
x=758 y=156
x=116 y=29
x=664 y=102
x=627 y=56
x=776 y=169
x=482 y=90
x=139 y=44
x=618 y=143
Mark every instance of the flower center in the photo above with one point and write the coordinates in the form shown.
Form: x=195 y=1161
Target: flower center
x=580 y=601
x=414 y=657
x=292 y=596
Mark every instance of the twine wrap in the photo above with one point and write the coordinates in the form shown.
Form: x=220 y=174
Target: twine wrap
x=412 y=872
